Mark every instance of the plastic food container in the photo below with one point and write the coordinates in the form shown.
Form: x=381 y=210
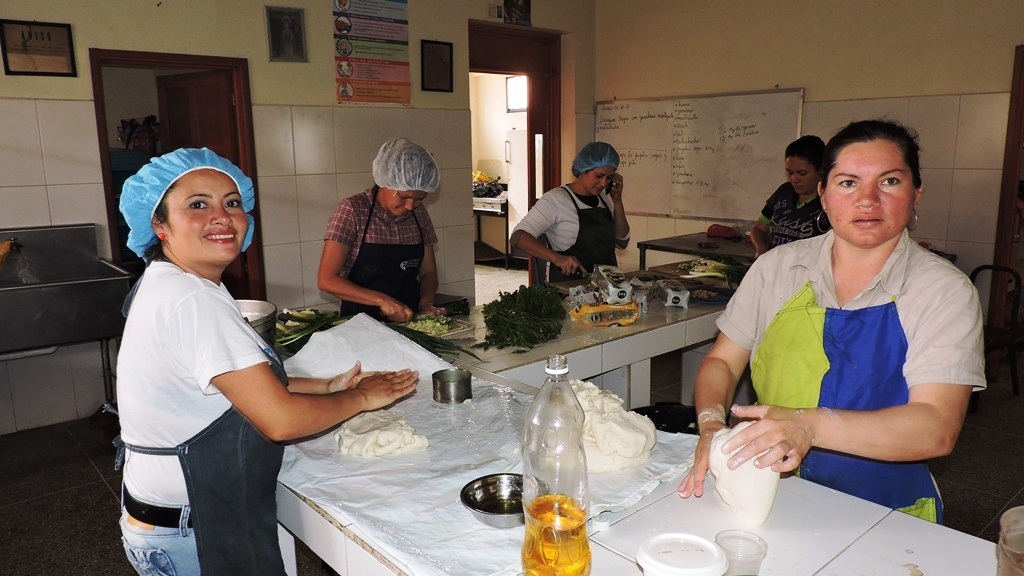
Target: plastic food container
x=678 y=554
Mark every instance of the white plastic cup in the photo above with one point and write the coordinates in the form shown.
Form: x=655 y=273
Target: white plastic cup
x=745 y=551
x=1011 y=542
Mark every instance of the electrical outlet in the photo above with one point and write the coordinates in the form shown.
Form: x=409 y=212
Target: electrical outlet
x=496 y=11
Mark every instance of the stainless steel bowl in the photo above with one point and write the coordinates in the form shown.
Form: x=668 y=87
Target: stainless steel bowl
x=452 y=385
x=262 y=316
x=496 y=499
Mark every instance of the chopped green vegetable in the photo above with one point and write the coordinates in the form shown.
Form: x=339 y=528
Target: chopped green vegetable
x=728 y=269
x=524 y=318
x=433 y=325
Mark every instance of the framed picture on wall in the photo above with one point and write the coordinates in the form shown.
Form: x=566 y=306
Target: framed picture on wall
x=37 y=48
x=436 y=66
x=286 y=34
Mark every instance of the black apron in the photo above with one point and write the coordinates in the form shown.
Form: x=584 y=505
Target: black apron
x=393 y=269
x=231 y=472
x=595 y=241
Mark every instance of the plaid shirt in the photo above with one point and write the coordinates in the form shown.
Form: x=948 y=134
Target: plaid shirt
x=347 y=223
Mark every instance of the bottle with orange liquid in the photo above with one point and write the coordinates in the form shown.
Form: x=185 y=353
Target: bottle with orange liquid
x=555 y=494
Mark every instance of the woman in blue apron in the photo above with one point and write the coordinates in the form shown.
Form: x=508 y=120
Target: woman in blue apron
x=863 y=347
x=582 y=222
x=378 y=253
x=203 y=401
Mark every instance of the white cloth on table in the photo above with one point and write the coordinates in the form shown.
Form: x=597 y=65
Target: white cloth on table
x=408 y=504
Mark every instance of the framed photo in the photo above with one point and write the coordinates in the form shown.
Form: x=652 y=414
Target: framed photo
x=286 y=34
x=436 y=66
x=37 y=48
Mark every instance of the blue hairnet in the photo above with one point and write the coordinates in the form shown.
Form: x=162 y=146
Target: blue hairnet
x=595 y=155
x=143 y=191
x=405 y=165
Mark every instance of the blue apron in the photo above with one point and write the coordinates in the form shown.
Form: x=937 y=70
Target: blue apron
x=845 y=360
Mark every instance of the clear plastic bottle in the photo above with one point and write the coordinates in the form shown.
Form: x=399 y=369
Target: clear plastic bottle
x=556 y=498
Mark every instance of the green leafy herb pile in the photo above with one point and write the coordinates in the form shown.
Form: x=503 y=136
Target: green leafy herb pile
x=529 y=316
x=728 y=269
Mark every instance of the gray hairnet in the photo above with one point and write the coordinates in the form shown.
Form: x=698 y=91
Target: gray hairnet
x=405 y=165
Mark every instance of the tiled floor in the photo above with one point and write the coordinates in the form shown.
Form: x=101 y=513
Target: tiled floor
x=493 y=279
x=59 y=508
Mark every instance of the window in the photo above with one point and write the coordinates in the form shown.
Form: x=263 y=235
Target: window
x=515 y=94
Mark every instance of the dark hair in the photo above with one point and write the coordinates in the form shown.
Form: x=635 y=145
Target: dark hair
x=869 y=130
x=808 y=148
x=155 y=251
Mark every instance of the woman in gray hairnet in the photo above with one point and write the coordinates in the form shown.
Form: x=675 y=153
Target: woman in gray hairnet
x=584 y=221
x=378 y=253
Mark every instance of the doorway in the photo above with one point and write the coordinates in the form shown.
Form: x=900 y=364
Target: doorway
x=527 y=142
x=199 y=101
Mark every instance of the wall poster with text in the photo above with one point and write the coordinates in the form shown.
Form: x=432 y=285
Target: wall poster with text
x=371 y=51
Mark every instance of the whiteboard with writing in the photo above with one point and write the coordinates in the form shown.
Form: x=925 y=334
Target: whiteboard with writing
x=716 y=157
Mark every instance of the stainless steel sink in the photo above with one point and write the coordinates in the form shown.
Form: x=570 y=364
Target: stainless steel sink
x=55 y=290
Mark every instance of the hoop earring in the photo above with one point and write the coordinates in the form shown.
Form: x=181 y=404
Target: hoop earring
x=912 y=223
x=822 y=227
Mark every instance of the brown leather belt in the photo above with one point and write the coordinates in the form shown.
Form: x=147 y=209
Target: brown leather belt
x=150 y=514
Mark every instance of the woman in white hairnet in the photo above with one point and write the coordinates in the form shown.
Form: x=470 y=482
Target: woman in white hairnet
x=203 y=401
x=378 y=253
x=583 y=221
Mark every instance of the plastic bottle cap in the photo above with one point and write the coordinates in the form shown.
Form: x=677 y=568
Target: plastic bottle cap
x=677 y=554
x=556 y=370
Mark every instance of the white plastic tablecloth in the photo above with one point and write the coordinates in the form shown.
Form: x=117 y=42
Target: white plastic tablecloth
x=408 y=504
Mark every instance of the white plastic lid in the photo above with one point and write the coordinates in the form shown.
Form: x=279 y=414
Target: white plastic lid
x=678 y=554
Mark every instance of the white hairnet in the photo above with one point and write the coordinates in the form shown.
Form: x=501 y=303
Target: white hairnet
x=405 y=165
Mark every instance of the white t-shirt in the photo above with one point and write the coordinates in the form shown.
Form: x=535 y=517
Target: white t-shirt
x=181 y=332
x=554 y=214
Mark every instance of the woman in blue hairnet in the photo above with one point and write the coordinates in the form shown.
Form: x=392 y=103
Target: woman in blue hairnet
x=203 y=401
x=584 y=221
x=378 y=253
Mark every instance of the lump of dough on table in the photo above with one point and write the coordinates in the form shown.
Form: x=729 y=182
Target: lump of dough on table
x=613 y=438
x=377 y=434
x=748 y=491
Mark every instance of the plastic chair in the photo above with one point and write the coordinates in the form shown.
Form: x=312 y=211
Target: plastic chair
x=1002 y=337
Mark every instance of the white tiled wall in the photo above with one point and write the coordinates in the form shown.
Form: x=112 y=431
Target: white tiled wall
x=308 y=159
x=311 y=158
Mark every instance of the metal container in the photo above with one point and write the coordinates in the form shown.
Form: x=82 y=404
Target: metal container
x=55 y=290
x=496 y=499
x=452 y=385
x=262 y=316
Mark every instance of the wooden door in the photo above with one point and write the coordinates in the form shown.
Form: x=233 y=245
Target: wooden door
x=503 y=50
x=197 y=110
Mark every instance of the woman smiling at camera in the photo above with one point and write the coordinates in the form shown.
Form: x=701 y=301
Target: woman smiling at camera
x=203 y=401
x=884 y=383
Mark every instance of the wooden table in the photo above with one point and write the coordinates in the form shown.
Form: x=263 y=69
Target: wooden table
x=690 y=244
